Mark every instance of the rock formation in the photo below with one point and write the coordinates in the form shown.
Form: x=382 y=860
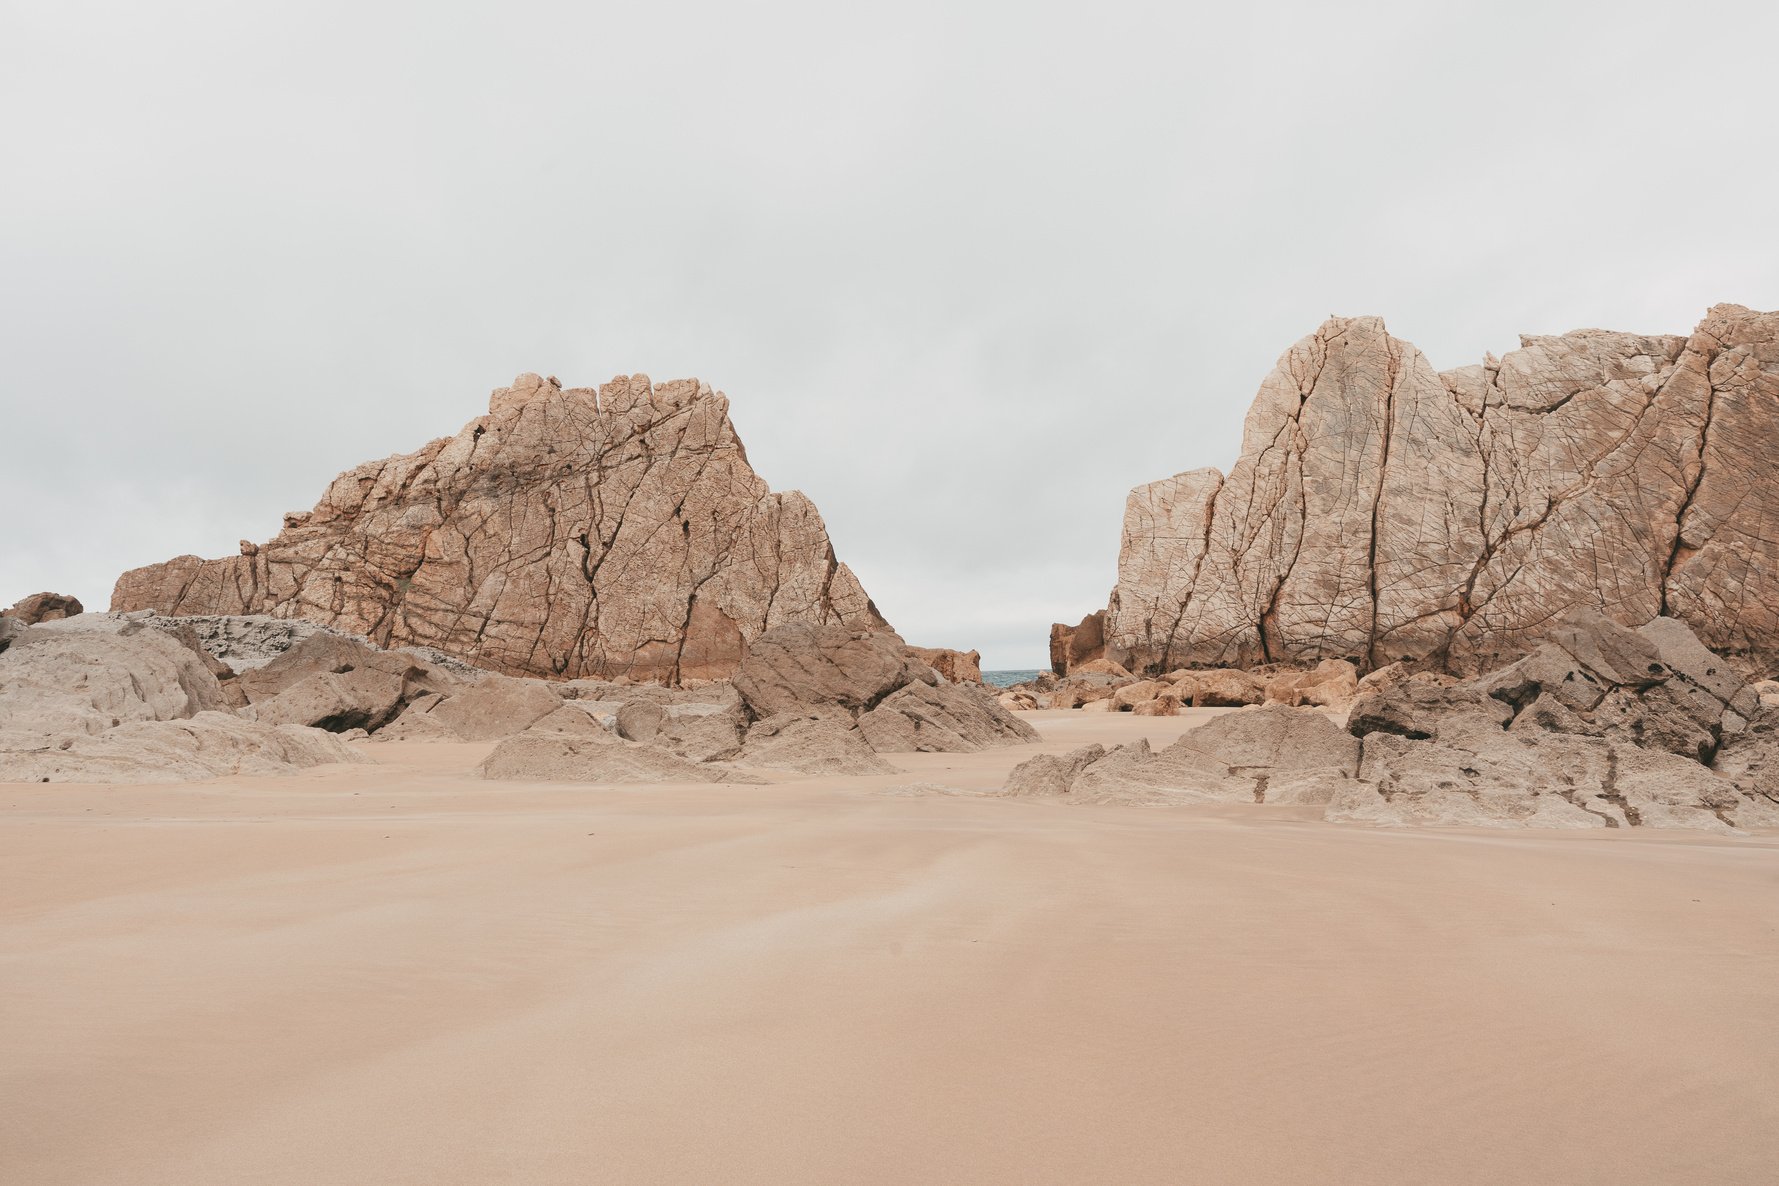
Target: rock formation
x=43 y=607
x=567 y=533
x=101 y=699
x=1381 y=510
x=1599 y=727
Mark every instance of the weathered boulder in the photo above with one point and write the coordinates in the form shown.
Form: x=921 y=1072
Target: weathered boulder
x=1071 y=646
x=811 y=744
x=825 y=669
x=1225 y=687
x=1050 y=775
x=957 y=667
x=495 y=707
x=61 y=678
x=361 y=699
x=566 y=533
x=43 y=607
x=1333 y=683
x=207 y=745
x=1126 y=698
x=948 y=718
x=1385 y=511
x=1276 y=755
x=1503 y=779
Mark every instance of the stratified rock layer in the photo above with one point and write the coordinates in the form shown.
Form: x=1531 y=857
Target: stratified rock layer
x=1381 y=510
x=567 y=533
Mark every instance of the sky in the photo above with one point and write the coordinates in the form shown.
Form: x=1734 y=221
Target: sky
x=967 y=272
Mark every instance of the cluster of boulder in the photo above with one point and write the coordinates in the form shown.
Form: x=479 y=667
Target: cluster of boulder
x=1598 y=726
x=146 y=697
x=1100 y=685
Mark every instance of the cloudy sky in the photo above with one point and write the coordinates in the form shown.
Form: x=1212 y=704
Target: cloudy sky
x=967 y=272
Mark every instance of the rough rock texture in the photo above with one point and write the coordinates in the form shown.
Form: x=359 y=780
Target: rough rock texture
x=1601 y=726
x=56 y=679
x=1276 y=754
x=957 y=667
x=102 y=699
x=1381 y=510
x=567 y=533
x=43 y=607
x=825 y=669
x=811 y=744
x=948 y=719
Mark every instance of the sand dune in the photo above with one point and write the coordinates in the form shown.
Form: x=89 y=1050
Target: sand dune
x=403 y=974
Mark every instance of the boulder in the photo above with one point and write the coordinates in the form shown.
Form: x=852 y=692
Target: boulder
x=1226 y=688
x=811 y=744
x=1071 y=646
x=207 y=745
x=1051 y=775
x=1333 y=683
x=1501 y=779
x=956 y=667
x=498 y=706
x=567 y=533
x=948 y=718
x=42 y=607
x=58 y=679
x=363 y=698
x=1130 y=695
x=1262 y=755
x=1099 y=666
x=825 y=669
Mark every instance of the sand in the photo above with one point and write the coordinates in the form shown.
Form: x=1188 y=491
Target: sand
x=400 y=974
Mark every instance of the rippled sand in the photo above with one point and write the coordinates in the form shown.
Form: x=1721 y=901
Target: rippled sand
x=401 y=974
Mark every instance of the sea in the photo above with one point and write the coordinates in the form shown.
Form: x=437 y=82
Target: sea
x=1006 y=679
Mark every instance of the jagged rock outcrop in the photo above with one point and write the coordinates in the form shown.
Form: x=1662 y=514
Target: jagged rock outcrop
x=567 y=533
x=43 y=607
x=1382 y=511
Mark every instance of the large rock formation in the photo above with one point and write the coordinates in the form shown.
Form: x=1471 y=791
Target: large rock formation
x=567 y=533
x=1381 y=510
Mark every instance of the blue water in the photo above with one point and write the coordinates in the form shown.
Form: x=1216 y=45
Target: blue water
x=1006 y=679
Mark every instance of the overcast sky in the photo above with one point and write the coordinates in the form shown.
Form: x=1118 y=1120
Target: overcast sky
x=967 y=272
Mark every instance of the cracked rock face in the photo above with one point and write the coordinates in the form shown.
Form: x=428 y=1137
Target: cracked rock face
x=1382 y=510
x=568 y=533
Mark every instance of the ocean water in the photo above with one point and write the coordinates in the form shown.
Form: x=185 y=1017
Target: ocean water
x=1006 y=679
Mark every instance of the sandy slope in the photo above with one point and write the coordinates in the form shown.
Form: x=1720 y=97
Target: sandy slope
x=400 y=975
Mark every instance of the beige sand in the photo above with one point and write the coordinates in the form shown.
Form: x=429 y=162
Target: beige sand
x=397 y=974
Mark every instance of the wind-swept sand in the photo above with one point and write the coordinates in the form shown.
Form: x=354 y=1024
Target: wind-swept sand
x=400 y=974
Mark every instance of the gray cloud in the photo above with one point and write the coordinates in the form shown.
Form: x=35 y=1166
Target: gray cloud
x=967 y=272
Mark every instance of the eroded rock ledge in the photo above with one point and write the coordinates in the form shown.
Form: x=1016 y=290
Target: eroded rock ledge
x=1383 y=511
x=569 y=533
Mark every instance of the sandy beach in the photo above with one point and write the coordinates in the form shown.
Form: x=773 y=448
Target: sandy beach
x=403 y=974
